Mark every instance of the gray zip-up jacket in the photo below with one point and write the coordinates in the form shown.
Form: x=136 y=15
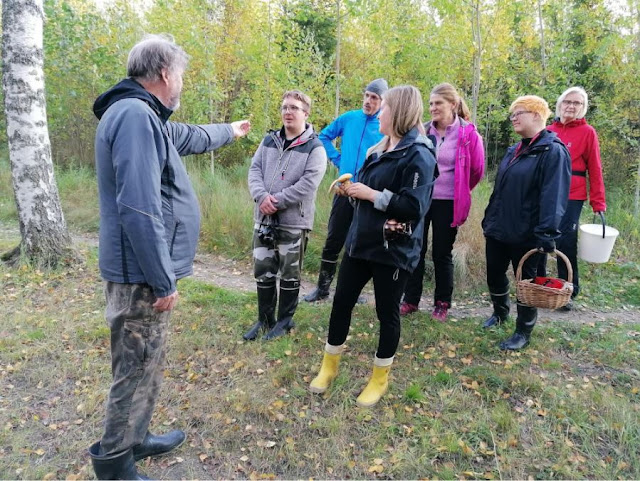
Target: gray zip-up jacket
x=291 y=175
x=149 y=213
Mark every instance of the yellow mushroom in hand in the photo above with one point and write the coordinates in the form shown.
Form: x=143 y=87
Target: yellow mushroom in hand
x=344 y=179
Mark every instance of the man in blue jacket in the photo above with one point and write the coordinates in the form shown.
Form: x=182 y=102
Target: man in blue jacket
x=359 y=130
x=149 y=225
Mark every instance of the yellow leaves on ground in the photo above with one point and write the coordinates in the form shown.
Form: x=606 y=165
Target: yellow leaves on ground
x=377 y=466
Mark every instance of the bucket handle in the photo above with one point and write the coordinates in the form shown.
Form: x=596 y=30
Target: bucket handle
x=604 y=224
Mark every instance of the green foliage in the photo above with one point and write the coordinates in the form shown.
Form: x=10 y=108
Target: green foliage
x=244 y=55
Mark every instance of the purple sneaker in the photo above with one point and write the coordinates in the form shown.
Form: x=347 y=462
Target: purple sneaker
x=406 y=308
x=440 y=311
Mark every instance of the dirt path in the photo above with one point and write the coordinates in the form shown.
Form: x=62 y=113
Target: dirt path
x=238 y=275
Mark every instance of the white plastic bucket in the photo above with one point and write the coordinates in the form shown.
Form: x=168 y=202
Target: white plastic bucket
x=596 y=242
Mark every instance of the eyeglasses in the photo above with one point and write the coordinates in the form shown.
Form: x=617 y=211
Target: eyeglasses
x=515 y=115
x=574 y=103
x=290 y=108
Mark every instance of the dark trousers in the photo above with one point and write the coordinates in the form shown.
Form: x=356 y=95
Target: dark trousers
x=567 y=243
x=499 y=255
x=388 y=285
x=338 y=228
x=440 y=216
x=138 y=339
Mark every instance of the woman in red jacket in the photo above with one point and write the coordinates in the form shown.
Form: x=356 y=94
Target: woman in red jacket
x=582 y=142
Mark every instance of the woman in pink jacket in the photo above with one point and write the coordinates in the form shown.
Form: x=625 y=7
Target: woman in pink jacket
x=460 y=156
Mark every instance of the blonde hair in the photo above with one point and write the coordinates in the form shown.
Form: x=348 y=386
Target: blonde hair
x=451 y=95
x=302 y=97
x=405 y=108
x=574 y=90
x=534 y=104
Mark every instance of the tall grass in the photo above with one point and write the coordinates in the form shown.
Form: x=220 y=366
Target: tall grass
x=227 y=226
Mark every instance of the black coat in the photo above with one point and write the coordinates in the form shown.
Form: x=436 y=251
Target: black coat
x=405 y=176
x=530 y=193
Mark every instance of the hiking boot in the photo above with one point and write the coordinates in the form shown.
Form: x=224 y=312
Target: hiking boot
x=406 y=308
x=441 y=310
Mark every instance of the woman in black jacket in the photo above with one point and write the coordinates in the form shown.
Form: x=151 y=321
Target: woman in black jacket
x=524 y=212
x=385 y=237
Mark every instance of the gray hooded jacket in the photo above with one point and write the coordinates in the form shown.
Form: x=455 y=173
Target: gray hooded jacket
x=149 y=213
x=291 y=175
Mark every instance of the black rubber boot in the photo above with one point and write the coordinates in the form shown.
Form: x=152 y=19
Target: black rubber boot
x=266 y=311
x=327 y=271
x=287 y=304
x=527 y=317
x=114 y=466
x=501 y=306
x=153 y=445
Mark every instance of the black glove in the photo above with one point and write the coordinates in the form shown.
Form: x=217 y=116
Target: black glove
x=547 y=245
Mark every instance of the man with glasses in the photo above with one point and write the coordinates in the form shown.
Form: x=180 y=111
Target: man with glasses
x=284 y=176
x=358 y=130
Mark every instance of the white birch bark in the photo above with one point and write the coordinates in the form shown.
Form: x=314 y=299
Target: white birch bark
x=45 y=238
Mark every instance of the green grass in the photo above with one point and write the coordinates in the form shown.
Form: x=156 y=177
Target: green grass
x=457 y=407
x=227 y=226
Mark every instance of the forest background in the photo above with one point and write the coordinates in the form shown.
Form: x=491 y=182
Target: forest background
x=565 y=408
x=244 y=55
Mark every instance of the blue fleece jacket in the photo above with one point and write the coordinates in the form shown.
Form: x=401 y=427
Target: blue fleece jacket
x=359 y=131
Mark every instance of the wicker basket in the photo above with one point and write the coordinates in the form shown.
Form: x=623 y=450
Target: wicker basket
x=535 y=295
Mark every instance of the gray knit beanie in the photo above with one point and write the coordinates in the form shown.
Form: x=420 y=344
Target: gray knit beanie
x=378 y=87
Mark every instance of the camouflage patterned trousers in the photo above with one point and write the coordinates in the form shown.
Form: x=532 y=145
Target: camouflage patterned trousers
x=138 y=338
x=284 y=256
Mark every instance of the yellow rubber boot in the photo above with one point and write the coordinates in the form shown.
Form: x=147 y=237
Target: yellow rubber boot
x=378 y=385
x=328 y=370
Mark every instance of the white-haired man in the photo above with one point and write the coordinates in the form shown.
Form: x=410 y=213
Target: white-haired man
x=149 y=224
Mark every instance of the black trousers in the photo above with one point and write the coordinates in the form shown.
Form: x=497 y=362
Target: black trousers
x=499 y=255
x=440 y=216
x=388 y=285
x=338 y=228
x=567 y=243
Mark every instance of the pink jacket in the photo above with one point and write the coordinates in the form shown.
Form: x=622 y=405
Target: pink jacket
x=469 y=169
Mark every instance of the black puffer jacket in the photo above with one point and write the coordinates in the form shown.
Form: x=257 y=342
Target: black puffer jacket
x=405 y=176
x=530 y=193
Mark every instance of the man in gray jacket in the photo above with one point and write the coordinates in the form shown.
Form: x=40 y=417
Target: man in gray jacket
x=149 y=225
x=284 y=176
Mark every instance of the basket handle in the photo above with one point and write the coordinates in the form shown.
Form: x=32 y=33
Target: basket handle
x=534 y=251
x=604 y=224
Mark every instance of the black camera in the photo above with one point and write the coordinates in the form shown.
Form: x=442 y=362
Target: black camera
x=268 y=233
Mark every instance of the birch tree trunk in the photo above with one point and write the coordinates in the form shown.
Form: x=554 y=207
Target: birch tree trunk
x=338 y=42
x=543 y=53
x=477 y=58
x=45 y=239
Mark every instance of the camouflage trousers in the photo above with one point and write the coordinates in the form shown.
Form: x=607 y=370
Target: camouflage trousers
x=284 y=256
x=138 y=338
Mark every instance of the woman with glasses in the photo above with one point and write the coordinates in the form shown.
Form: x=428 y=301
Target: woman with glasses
x=582 y=141
x=525 y=209
x=460 y=157
x=395 y=182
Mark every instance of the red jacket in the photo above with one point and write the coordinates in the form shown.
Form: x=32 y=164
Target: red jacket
x=582 y=141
